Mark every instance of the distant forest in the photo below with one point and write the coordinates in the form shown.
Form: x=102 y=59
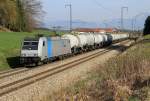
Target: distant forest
x=20 y=15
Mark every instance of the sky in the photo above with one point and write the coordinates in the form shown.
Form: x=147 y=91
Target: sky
x=93 y=10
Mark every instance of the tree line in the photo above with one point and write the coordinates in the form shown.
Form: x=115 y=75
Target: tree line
x=147 y=26
x=20 y=15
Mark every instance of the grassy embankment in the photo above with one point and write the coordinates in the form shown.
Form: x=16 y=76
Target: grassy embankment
x=10 y=43
x=123 y=78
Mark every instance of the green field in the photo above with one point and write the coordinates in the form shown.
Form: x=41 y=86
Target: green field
x=10 y=44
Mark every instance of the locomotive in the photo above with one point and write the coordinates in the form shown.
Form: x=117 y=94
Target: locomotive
x=45 y=49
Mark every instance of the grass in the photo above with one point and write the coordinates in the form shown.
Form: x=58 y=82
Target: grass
x=147 y=37
x=10 y=44
x=123 y=78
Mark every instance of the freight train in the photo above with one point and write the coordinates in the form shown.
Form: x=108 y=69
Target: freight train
x=45 y=49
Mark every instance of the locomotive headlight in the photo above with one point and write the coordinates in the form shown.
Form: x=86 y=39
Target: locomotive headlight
x=23 y=54
x=35 y=54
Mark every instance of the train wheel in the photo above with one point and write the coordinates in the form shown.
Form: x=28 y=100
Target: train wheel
x=39 y=63
x=45 y=61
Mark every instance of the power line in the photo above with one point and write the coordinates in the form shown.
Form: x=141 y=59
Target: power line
x=100 y=5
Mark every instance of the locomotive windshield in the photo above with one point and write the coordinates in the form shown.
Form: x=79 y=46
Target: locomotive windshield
x=30 y=44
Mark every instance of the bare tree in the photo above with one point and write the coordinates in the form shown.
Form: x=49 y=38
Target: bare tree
x=33 y=12
x=20 y=15
x=7 y=12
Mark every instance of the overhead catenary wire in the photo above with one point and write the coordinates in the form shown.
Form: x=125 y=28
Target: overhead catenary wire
x=100 y=5
x=108 y=11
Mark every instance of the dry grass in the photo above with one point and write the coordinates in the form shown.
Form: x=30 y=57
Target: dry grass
x=124 y=76
x=127 y=75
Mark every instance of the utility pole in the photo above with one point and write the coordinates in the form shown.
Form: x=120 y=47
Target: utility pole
x=122 y=16
x=70 y=6
x=132 y=24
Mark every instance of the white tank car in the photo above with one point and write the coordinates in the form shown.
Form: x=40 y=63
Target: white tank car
x=98 y=38
x=117 y=36
x=114 y=37
x=74 y=42
x=89 y=38
x=105 y=39
x=125 y=36
x=82 y=40
x=121 y=36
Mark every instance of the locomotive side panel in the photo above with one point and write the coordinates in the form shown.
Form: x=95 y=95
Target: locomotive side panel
x=58 y=47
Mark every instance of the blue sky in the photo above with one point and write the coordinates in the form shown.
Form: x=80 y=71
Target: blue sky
x=93 y=10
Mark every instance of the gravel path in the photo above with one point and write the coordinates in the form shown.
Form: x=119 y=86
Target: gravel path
x=38 y=90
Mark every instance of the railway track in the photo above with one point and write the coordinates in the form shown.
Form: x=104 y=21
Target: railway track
x=15 y=85
x=4 y=74
x=10 y=71
x=13 y=72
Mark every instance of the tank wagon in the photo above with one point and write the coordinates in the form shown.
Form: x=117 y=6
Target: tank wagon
x=45 y=49
x=119 y=37
x=83 y=46
x=74 y=43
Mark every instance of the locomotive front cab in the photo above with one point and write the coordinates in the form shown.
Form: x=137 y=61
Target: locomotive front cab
x=29 y=51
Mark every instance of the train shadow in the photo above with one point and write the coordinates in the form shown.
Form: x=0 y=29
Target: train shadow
x=14 y=62
x=119 y=48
